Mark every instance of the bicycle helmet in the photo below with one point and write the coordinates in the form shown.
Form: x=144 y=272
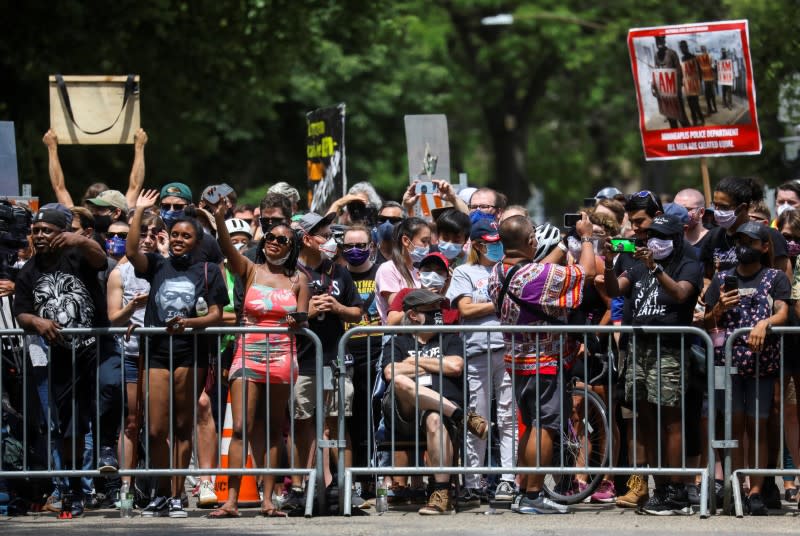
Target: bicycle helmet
x=547 y=237
x=235 y=225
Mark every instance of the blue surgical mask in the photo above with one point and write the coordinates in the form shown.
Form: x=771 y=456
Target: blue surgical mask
x=477 y=215
x=451 y=250
x=494 y=251
x=170 y=216
x=419 y=253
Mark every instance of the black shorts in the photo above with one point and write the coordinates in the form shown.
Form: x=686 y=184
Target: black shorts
x=405 y=427
x=550 y=405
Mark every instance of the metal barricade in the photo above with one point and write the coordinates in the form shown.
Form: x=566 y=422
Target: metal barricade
x=37 y=381
x=566 y=464
x=733 y=491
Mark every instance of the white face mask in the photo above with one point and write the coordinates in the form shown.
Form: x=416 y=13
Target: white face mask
x=431 y=280
x=725 y=218
x=328 y=249
x=783 y=207
x=661 y=248
x=239 y=246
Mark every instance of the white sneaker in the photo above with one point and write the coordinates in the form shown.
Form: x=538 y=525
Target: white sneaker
x=207 y=496
x=505 y=491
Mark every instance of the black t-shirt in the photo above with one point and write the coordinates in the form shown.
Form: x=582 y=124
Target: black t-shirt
x=651 y=305
x=174 y=289
x=207 y=250
x=67 y=291
x=332 y=279
x=781 y=288
x=720 y=247
x=404 y=346
x=365 y=286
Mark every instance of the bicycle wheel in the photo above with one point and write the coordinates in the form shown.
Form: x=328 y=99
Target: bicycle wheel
x=583 y=443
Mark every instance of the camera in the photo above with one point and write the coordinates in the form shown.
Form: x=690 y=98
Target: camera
x=15 y=226
x=317 y=288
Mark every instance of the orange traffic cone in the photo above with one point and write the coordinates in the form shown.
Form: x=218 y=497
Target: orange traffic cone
x=248 y=490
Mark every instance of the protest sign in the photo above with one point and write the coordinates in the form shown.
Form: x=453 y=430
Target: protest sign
x=325 y=156
x=695 y=90
x=94 y=110
x=9 y=176
x=428 y=147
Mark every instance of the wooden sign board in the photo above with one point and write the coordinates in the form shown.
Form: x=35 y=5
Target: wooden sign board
x=428 y=147
x=102 y=113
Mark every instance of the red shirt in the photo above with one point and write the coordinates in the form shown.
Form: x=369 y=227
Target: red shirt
x=449 y=315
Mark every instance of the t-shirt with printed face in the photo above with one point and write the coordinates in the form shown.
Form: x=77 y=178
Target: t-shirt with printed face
x=403 y=346
x=67 y=292
x=334 y=280
x=174 y=290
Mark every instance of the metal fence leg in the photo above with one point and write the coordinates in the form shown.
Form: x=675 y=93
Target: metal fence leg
x=737 y=494
x=310 y=490
x=704 y=495
x=348 y=485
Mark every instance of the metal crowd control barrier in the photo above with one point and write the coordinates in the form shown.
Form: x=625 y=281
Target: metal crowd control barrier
x=15 y=353
x=345 y=474
x=733 y=489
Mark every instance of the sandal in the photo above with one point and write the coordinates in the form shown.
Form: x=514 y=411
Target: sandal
x=273 y=512
x=221 y=513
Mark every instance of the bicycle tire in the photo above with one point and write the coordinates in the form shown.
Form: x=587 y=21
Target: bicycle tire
x=561 y=487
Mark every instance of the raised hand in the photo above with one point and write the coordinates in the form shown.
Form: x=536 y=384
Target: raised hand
x=147 y=199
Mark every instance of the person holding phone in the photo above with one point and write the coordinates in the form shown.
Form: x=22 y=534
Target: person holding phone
x=276 y=294
x=755 y=294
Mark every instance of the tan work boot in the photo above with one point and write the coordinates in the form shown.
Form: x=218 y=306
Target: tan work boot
x=438 y=503
x=477 y=425
x=637 y=495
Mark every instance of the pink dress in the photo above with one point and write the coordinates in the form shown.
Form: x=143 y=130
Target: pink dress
x=269 y=357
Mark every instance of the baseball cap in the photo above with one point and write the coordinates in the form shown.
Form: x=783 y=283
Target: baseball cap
x=486 y=230
x=286 y=189
x=674 y=209
x=311 y=221
x=177 y=189
x=110 y=198
x=53 y=214
x=60 y=208
x=755 y=230
x=421 y=297
x=666 y=225
x=435 y=257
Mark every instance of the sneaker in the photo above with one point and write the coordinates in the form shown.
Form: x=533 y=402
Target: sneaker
x=175 y=508
x=77 y=508
x=754 y=505
x=790 y=495
x=398 y=495
x=606 y=493
x=516 y=500
x=91 y=502
x=637 y=493
x=207 y=497
x=540 y=505
x=295 y=501
x=657 y=504
x=53 y=504
x=678 y=499
x=693 y=494
x=770 y=494
x=505 y=491
x=157 y=507
x=468 y=497
x=438 y=503
x=108 y=460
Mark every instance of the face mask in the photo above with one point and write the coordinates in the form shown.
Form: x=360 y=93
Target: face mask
x=385 y=231
x=180 y=261
x=661 y=248
x=115 y=247
x=478 y=215
x=451 y=250
x=783 y=207
x=432 y=318
x=431 y=280
x=494 y=251
x=725 y=218
x=102 y=223
x=419 y=253
x=328 y=249
x=169 y=216
x=747 y=255
x=793 y=248
x=239 y=246
x=279 y=262
x=356 y=256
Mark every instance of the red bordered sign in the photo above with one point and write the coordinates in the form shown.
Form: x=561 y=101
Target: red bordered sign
x=695 y=91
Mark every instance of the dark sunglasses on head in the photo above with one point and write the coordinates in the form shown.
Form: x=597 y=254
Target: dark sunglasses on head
x=360 y=245
x=151 y=231
x=647 y=193
x=173 y=206
x=119 y=234
x=392 y=219
x=280 y=239
x=269 y=223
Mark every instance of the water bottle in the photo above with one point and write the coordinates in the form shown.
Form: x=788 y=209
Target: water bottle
x=125 y=501
x=201 y=307
x=382 y=499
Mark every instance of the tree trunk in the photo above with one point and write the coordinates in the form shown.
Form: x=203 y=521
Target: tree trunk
x=510 y=145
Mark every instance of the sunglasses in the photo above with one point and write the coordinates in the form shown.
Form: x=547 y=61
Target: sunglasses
x=152 y=232
x=173 y=206
x=269 y=223
x=360 y=245
x=392 y=219
x=119 y=234
x=280 y=239
x=481 y=207
x=647 y=193
x=248 y=221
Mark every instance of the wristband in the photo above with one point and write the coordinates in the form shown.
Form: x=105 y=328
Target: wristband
x=586 y=239
x=657 y=270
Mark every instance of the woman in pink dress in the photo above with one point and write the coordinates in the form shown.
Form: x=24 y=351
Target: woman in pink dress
x=275 y=290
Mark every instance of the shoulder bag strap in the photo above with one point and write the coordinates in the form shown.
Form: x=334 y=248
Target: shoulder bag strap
x=131 y=88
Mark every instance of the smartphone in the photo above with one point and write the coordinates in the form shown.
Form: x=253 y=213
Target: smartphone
x=731 y=282
x=571 y=219
x=589 y=202
x=224 y=190
x=212 y=195
x=426 y=188
x=623 y=245
x=299 y=317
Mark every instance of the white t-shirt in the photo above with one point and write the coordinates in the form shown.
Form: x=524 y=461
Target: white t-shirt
x=389 y=279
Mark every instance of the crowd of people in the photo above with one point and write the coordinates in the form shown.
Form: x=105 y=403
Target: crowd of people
x=163 y=257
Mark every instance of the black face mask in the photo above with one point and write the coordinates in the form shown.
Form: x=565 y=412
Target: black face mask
x=181 y=262
x=432 y=318
x=747 y=255
x=102 y=223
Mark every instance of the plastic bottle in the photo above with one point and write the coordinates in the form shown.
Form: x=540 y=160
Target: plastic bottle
x=382 y=499
x=125 y=501
x=201 y=307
